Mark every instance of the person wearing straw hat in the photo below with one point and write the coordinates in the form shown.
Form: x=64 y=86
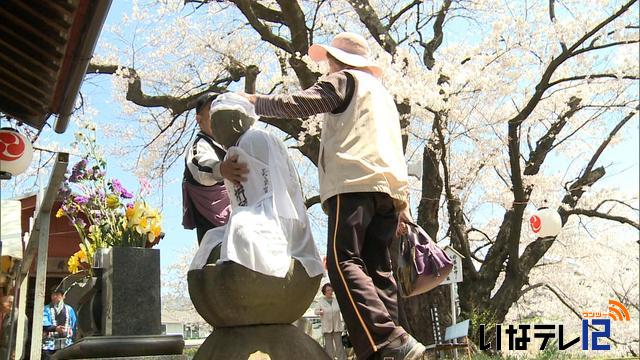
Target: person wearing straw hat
x=363 y=189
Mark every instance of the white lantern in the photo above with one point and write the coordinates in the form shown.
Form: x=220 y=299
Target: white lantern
x=545 y=222
x=16 y=153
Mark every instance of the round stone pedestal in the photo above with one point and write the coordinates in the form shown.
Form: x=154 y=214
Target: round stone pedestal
x=229 y=294
x=260 y=342
x=252 y=312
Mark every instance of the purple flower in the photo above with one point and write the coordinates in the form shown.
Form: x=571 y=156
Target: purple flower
x=101 y=195
x=78 y=170
x=118 y=189
x=80 y=200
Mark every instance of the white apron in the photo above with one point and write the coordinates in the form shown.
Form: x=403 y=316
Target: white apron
x=268 y=224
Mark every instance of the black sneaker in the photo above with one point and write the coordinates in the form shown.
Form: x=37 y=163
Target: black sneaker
x=410 y=349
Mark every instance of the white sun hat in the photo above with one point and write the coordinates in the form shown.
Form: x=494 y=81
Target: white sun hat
x=350 y=48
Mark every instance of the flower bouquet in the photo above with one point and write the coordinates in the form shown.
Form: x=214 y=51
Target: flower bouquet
x=104 y=213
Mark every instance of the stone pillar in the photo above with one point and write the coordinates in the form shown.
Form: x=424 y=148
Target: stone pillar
x=131 y=291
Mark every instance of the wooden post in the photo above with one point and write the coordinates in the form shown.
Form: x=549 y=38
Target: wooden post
x=39 y=242
x=41 y=278
x=22 y=317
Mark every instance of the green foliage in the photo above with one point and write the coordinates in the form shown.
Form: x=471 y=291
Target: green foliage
x=190 y=352
x=478 y=317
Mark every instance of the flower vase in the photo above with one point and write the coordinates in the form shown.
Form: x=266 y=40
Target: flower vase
x=84 y=295
x=130 y=291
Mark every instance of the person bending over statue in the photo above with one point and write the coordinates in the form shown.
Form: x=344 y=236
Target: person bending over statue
x=268 y=225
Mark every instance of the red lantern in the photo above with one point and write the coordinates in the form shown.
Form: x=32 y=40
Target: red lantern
x=16 y=153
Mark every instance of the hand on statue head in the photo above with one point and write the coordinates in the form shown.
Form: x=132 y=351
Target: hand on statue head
x=233 y=171
x=250 y=97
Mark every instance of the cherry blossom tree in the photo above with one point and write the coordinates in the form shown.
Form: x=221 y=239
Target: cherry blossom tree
x=509 y=106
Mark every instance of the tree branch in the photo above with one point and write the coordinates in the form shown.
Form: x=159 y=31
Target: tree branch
x=402 y=11
x=606 y=141
x=593 y=76
x=177 y=105
x=552 y=17
x=598 y=47
x=597 y=214
x=312 y=201
x=601 y=25
x=438 y=35
x=543 y=83
x=295 y=19
x=617 y=201
x=246 y=7
x=545 y=143
x=371 y=20
x=267 y=14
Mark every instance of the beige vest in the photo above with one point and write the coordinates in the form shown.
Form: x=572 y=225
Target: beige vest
x=361 y=148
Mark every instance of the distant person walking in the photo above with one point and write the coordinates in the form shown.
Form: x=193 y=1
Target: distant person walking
x=331 y=320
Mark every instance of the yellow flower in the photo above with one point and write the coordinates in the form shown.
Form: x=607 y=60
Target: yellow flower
x=156 y=230
x=73 y=264
x=112 y=201
x=82 y=256
x=135 y=214
x=59 y=213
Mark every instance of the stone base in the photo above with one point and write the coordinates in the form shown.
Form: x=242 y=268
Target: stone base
x=260 y=342
x=158 y=357
x=124 y=347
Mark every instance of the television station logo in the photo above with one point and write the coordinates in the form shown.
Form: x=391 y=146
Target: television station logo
x=596 y=328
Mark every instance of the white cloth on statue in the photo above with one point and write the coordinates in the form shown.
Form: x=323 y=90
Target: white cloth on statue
x=269 y=223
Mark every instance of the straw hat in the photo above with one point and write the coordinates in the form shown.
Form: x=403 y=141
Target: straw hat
x=351 y=49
